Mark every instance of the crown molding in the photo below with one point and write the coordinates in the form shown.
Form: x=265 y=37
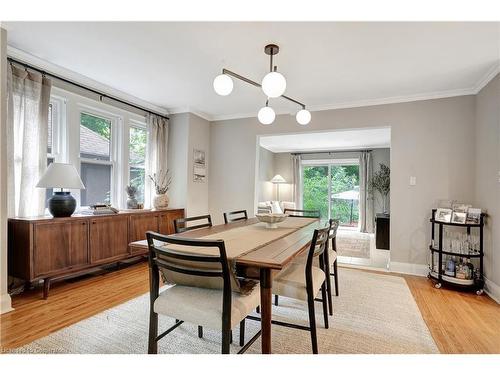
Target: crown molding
x=490 y=74
x=80 y=78
x=189 y=109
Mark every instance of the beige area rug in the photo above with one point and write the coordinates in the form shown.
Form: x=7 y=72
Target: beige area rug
x=353 y=244
x=374 y=313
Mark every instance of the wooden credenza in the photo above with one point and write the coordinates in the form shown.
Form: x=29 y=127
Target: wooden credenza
x=47 y=248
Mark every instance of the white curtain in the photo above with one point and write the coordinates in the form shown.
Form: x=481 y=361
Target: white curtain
x=297 y=180
x=28 y=95
x=366 y=216
x=157 y=152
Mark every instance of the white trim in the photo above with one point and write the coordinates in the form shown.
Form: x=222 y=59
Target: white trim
x=409 y=268
x=80 y=79
x=5 y=304
x=492 y=289
x=490 y=74
x=188 y=109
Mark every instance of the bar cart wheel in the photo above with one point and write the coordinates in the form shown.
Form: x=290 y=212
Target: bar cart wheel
x=479 y=292
x=437 y=286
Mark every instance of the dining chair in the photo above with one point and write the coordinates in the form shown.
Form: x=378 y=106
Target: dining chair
x=214 y=308
x=331 y=262
x=230 y=217
x=292 y=212
x=312 y=214
x=181 y=224
x=304 y=281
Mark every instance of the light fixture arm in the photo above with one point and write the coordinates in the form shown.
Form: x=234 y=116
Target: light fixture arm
x=247 y=80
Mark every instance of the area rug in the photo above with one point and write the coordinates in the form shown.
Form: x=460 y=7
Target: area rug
x=374 y=313
x=353 y=244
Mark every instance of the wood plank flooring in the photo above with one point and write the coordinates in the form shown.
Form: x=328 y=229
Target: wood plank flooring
x=459 y=322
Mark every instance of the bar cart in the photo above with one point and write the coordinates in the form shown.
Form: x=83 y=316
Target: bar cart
x=436 y=269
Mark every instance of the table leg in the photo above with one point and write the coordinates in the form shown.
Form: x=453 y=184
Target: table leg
x=265 y=308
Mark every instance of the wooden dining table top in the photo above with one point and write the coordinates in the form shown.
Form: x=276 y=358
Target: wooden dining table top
x=275 y=255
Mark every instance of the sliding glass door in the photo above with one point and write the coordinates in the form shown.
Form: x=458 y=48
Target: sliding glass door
x=333 y=188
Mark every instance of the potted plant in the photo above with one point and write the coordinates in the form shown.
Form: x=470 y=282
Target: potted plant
x=381 y=182
x=161 y=182
x=131 y=200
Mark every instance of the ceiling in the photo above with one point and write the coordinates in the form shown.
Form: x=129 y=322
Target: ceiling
x=328 y=141
x=327 y=64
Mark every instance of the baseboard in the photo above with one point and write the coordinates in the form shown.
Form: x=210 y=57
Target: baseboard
x=492 y=289
x=409 y=268
x=5 y=304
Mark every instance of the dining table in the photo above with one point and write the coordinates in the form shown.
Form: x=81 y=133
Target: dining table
x=260 y=253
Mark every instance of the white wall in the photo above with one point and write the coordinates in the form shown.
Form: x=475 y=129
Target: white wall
x=487 y=176
x=432 y=140
x=5 y=303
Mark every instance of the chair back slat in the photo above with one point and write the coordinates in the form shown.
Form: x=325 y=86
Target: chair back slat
x=181 y=224
x=334 y=225
x=318 y=246
x=312 y=214
x=188 y=271
x=232 y=216
x=264 y=210
x=174 y=258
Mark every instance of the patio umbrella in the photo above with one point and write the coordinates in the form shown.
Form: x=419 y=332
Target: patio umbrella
x=350 y=195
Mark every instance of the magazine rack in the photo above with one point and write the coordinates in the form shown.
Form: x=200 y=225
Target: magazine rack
x=477 y=282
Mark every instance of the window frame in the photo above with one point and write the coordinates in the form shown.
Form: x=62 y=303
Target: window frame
x=114 y=142
x=133 y=123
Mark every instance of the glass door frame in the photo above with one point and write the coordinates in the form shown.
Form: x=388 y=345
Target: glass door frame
x=321 y=163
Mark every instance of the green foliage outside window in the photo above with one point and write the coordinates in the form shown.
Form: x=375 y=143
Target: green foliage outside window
x=97 y=124
x=344 y=178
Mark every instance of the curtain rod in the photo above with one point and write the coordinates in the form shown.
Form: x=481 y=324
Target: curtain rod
x=330 y=152
x=101 y=94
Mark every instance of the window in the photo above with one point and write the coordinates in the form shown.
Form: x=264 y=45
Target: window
x=96 y=164
x=51 y=141
x=137 y=159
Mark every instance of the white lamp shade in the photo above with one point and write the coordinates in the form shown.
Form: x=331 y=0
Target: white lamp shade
x=223 y=84
x=303 y=117
x=273 y=84
x=266 y=115
x=61 y=175
x=278 y=179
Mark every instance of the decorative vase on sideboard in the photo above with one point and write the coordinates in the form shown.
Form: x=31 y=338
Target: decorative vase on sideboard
x=160 y=201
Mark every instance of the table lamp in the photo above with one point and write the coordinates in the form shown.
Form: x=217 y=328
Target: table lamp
x=63 y=176
x=277 y=180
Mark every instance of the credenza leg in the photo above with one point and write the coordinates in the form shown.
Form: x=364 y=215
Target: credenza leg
x=46 y=287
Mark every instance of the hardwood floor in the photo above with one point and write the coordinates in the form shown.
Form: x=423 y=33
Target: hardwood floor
x=459 y=322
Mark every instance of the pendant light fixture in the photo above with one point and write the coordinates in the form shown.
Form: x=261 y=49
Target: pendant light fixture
x=273 y=85
x=266 y=115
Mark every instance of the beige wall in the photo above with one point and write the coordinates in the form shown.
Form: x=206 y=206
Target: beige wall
x=487 y=176
x=265 y=189
x=5 y=304
x=432 y=140
x=178 y=139
x=197 y=192
x=187 y=132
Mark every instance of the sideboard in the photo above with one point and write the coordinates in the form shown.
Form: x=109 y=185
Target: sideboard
x=47 y=248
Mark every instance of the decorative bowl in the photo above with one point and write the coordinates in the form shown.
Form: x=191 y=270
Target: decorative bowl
x=271 y=220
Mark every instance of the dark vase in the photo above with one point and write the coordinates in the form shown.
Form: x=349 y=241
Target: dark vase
x=62 y=204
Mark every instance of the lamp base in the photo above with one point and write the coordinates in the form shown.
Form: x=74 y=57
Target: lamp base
x=62 y=204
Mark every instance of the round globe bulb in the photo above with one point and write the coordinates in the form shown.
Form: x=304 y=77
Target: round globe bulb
x=266 y=115
x=303 y=117
x=273 y=84
x=223 y=84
